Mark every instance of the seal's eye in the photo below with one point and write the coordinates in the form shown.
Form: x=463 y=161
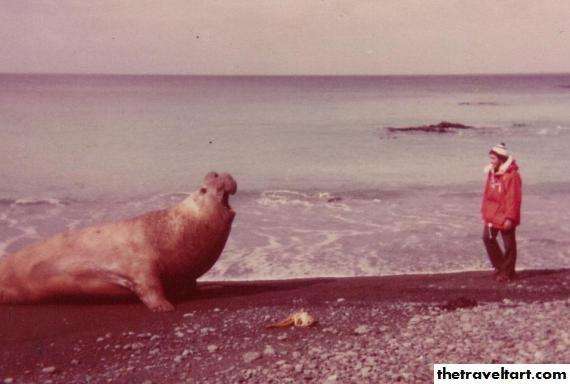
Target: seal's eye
x=203 y=190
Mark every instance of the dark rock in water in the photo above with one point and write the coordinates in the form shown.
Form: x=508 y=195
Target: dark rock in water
x=519 y=125
x=565 y=86
x=334 y=199
x=479 y=103
x=460 y=302
x=443 y=127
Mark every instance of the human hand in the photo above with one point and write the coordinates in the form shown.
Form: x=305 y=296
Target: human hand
x=508 y=225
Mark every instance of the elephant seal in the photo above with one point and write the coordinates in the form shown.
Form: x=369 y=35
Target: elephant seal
x=144 y=255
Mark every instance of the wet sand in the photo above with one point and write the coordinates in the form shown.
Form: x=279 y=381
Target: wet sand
x=370 y=329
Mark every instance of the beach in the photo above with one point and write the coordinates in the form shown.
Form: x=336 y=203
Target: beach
x=369 y=329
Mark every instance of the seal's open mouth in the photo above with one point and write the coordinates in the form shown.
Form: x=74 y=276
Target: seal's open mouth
x=230 y=188
x=226 y=201
x=221 y=183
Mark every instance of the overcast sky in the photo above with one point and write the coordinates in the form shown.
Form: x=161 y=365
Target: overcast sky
x=285 y=36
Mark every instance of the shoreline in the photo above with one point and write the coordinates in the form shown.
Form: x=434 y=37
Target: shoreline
x=363 y=324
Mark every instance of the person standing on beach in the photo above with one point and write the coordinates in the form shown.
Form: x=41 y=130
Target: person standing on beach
x=501 y=210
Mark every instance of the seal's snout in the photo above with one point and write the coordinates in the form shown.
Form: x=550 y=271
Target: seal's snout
x=224 y=184
x=221 y=181
x=230 y=185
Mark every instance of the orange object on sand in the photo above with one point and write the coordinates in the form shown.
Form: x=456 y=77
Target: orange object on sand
x=297 y=319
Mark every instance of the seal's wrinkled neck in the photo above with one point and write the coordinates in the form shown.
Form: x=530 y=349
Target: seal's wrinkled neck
x=199 y=207
x=189 y=205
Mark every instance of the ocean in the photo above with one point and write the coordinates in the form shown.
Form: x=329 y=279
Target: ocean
x=324 y=189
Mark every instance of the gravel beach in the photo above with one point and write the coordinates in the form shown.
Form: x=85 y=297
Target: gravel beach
x=370 y=329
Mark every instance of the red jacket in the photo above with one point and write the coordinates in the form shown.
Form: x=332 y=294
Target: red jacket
x=502 y=197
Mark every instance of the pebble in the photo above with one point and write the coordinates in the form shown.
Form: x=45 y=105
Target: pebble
x=49 y=369
x=133 y=346
x=250 y=357
x=269 y=351
x=332 y=378
x=362 y=329
x=212 y=348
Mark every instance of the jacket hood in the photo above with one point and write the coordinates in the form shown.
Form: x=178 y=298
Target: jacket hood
x=508 y=166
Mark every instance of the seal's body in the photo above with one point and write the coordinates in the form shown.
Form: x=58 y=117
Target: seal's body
x=143 y=255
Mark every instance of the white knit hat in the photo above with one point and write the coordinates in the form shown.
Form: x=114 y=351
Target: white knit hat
x=500 y=149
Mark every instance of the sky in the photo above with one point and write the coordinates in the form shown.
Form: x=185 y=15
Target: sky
x=285 y=37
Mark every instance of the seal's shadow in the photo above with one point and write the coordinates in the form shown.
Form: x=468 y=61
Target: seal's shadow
x=202 y=291
x=217 y=290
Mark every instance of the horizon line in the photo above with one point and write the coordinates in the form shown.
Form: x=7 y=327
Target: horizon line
x=102 y=74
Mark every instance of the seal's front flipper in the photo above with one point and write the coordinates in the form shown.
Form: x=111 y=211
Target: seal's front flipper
x=157 y=305
x=152 y=295
x=155 y=300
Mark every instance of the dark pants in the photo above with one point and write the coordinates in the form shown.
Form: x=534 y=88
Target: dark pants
x=503 y=262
